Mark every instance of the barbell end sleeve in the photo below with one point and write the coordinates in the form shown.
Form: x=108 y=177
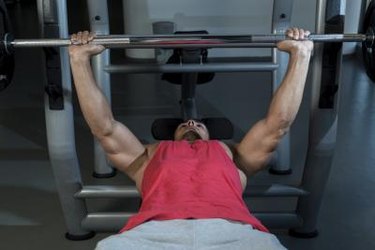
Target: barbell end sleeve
x=35 y=43
x=6 y=46
x=9 y=38
x=370 y=37
x=337 y=38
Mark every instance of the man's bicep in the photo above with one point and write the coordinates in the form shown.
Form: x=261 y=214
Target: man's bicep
x=121 y=145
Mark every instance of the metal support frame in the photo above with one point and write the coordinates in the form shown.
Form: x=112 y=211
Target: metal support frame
x=137 y=68
x=282 y=12
x=112 y=221
x=98 y=14
x=188 y=86
x=274 y=190
x=60 y=130
x=322 y=138
x=62 y=152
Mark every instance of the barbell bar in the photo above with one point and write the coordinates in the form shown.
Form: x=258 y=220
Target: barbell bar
x=8 y=44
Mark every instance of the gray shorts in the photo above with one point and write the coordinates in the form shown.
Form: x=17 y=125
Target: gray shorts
x=191 y=234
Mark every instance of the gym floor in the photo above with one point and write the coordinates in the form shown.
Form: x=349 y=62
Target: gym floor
x=30 y=213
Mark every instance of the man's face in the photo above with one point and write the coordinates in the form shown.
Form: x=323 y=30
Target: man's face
x=191 y=130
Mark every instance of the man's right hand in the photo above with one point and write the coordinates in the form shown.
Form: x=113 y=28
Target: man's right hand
x=81 y=49
x=297 y=42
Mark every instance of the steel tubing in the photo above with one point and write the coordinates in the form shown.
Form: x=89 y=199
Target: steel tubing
x=275 y=190
x=186 y=68
x=114 y=221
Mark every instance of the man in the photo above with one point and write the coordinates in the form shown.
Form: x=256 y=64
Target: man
x=191 y=187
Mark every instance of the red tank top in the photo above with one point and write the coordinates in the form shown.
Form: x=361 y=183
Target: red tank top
x=192 y=181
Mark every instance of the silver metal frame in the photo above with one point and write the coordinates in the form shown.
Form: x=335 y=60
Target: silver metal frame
x=112 y=221
x=137 y=68
x=60 y=128
x=61 y=145
x=102 y=191
x=322 y=141
x=282 y=12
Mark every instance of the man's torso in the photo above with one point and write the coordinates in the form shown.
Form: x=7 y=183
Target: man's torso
x=138 y=167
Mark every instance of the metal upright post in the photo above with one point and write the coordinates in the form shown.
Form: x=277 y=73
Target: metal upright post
x=188 y=86
x=98 y=14
x=60 y=126
x=282 y=11
x=323 y=125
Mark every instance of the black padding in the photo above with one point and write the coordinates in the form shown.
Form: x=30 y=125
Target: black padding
x=163 y=129
x=188 y=55
x=219 y=128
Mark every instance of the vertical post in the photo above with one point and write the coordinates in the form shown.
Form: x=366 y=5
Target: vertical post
x=323 y=123
x=188 y=80
x=98 y=14
x=282 y=12
x=60 y=127
x=163 y=28
x=188 y=86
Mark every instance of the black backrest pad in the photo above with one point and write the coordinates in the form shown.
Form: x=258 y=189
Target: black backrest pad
x=163 y=129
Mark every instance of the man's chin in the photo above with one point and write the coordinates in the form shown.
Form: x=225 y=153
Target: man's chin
x=191 y=136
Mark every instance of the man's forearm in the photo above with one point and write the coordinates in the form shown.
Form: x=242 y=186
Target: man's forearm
x=287 y=99
x=93 y=103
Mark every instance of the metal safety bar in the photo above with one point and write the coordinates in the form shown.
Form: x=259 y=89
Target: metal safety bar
x=104 y=191
x=114 y=221
x=193 y=67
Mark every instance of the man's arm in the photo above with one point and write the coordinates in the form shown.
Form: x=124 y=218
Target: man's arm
x=119 y=143
x=255 y=150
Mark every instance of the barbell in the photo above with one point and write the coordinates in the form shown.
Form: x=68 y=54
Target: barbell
x=8 y=44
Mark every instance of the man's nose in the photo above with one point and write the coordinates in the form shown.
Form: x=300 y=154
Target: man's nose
x=191 y=123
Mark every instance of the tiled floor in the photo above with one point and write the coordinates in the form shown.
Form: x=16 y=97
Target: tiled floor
x=30 y=214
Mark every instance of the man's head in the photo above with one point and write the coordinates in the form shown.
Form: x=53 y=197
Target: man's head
x=191 y=130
